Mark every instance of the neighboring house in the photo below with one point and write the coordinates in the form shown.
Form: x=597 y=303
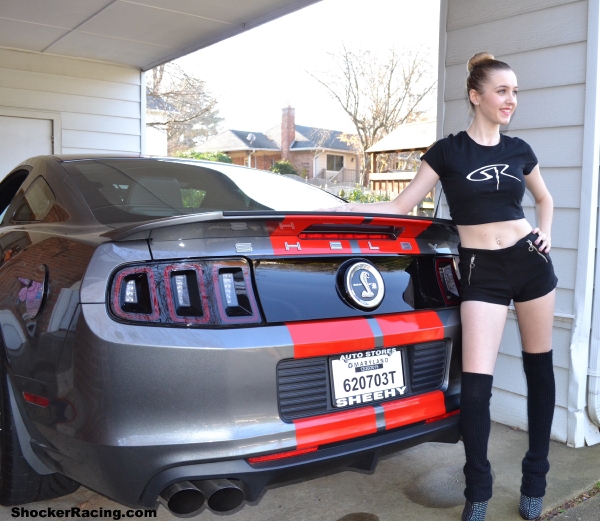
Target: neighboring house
x=157 y=111
x=553 y=47
x=253 y=149
x=315 y=152
x=396 y=158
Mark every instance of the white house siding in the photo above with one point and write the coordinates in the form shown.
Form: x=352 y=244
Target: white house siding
x=545 y=42
x=99 y=104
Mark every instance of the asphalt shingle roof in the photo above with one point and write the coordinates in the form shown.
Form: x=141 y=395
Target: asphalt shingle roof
x=311 y=138
x=233 y=140
x=315 y=138
x=255 y=140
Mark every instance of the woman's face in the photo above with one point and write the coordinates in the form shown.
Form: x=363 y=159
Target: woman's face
x=498 y=100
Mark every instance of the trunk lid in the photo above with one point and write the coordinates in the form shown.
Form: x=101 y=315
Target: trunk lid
x=299 y=260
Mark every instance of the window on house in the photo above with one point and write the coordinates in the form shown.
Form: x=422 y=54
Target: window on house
x=335 y=162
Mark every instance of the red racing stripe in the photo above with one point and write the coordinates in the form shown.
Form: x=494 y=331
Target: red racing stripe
x=412 y=228
x=292 y=225
x=410 y=328
x=413 y=409
x=291 y=245
x=285 y=241
x=337 y=426
x=346 y=425
x=330 y=337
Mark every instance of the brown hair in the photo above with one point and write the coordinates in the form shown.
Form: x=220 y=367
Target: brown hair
x=480 y=66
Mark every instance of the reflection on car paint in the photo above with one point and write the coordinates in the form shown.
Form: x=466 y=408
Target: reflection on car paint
x=43 y=318
x=32 y=294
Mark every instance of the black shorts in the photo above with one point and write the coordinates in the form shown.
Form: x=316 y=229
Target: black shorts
x=520 y=272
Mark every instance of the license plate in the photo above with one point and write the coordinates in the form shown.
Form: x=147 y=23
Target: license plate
x=367 y=376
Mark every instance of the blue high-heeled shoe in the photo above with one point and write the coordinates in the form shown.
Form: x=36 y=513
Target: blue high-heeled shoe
x=530 y=507
x=474 y=511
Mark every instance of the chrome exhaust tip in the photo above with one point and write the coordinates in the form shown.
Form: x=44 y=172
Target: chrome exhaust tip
x=221 y=495
x=182 y=499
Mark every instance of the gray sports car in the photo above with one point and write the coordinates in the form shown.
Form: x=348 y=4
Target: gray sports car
x=190 y=332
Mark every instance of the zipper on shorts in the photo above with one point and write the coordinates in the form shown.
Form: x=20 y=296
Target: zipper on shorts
x=471 y=266
x=533 y=248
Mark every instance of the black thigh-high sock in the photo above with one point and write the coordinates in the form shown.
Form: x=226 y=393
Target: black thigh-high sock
x=541 y=392
x=476 y=391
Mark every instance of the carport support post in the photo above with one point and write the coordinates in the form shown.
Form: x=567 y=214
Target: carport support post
x=580 y=340
x=142 y=113
x=441 y=106
x=592 y=435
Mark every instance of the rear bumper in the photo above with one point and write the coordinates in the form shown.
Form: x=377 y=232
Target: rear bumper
x=361 y=454
x=135 y=475
x=144 y=407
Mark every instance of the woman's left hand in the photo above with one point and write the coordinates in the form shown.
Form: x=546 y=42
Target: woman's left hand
x=543 y=242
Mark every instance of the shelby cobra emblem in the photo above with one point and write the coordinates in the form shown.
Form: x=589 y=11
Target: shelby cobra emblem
x=364 y=285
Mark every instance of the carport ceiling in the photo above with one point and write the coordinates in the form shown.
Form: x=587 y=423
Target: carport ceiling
x=142 y=33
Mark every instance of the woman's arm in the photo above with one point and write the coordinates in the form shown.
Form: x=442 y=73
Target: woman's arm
x=423 y=182
x=544 y=208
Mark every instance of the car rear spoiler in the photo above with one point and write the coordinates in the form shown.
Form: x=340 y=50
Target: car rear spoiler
x=435 y=235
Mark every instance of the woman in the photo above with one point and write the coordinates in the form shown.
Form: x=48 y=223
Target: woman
x=484 y=175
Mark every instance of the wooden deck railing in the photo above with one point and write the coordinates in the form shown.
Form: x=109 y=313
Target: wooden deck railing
x=345 y=175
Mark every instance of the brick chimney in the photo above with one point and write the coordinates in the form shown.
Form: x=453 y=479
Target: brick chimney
x=288 y=130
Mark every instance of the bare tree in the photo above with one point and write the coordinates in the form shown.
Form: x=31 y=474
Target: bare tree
x=379 y=92
x=189 y=113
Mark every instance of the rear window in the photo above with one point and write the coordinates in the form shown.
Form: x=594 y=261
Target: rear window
x=132 y=190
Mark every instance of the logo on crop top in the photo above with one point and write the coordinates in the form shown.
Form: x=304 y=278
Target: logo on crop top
x=489 y=172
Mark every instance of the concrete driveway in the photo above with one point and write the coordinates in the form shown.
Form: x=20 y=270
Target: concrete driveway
x=422 y=483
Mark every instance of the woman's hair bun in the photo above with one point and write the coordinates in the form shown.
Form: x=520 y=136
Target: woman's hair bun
x=478 y=58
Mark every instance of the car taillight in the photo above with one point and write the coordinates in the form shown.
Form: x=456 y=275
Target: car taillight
x=42 y=401
x=235 y=297
x=134 y=294
x=443 y=416
x=448 y=281
x=282 y=455
x=186 y=294
x=213 y=293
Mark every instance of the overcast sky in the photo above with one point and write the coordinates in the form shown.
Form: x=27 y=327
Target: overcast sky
x=255 y=74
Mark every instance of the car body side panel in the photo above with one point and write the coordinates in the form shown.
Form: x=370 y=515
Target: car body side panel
x=137 y=385
x=145 y=399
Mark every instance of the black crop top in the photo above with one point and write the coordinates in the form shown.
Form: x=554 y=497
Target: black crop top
x=483 y=184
